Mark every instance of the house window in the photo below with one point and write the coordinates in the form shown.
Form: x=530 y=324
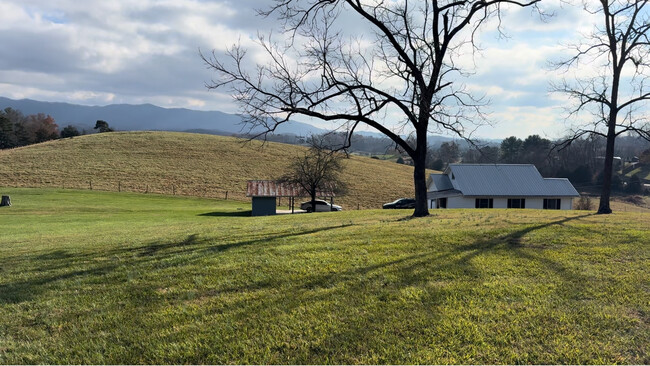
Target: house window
x=484 y=203
x=442 y=202
x=516 y=203
x=552 y=203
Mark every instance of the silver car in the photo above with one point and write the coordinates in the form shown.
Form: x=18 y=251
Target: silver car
x=321 y=206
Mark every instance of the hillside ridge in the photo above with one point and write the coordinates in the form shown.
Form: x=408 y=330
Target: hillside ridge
x=185 y=164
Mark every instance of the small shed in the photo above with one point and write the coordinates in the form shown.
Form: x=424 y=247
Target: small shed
x=264 y=194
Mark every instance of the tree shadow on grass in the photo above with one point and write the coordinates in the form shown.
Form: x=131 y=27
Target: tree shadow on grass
x=511 y=241
x=20 y=291
x=263 y=239
x=51 y=268
x=155 y=248
x=365 y=324
x=55 y=255
x=360 y=323
x=242 y=213
x=58 y=261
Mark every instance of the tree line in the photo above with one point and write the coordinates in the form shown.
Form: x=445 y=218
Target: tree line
x=581 y=161
x=17 y=130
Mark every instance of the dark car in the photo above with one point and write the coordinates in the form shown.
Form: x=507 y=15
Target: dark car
x=401 y=203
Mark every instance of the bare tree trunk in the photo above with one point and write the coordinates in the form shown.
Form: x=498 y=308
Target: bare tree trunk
x=419 y=176
x=313 y=200
x=603 y=207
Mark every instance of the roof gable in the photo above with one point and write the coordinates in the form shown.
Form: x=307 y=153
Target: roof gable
x=440 y=182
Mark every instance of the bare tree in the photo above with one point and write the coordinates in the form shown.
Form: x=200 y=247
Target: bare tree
x=615 y=97
x=411 y=70
x=318 y=170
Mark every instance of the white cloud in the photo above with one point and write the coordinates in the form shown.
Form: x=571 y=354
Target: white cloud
x=146 y=51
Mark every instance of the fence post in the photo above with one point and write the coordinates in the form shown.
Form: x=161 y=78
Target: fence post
x=119 y=186
x=91 y=184
x=226 y=195
x=147 y=189
x=173 y=190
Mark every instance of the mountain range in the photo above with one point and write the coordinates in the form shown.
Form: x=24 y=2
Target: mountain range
x=127 y=117
x=148 y=117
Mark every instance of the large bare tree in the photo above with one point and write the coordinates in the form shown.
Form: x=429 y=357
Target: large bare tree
x=410 y=69
x=616 y=95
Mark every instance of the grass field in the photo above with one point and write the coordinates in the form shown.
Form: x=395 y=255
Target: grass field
x=642 y=171
x=188 y=164
x=100 y=277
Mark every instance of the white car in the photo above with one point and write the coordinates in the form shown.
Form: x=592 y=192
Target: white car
x=321 y=206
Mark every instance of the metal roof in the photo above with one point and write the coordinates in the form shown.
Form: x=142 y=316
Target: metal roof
x=440 y=182
x=507 y=180
x=271 y=188
x=441 y=194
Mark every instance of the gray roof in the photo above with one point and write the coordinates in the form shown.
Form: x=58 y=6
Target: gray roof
x=441 y=194
x=507 y=180
x=441 y=182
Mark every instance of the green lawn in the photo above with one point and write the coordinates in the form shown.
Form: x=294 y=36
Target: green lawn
x=643 y=171
x=98 y=277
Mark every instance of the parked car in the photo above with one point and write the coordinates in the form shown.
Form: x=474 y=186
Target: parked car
x=321 y=206
x=401 y=203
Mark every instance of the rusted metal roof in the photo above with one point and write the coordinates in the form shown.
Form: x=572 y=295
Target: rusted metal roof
x=271 y=188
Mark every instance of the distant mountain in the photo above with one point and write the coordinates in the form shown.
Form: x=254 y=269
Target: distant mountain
x=148 y=117
x=127 y=117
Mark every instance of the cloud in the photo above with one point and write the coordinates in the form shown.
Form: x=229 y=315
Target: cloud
x=146 y=51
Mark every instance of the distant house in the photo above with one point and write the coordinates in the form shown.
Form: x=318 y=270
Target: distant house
x=498 y=186
x=617 y=162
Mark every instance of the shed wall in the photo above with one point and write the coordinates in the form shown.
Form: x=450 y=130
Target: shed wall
x=263 y=206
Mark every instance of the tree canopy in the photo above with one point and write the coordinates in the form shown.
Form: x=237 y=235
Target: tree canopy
x=410 y=70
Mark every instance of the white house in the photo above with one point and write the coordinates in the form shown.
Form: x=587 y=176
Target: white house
x=498 y=186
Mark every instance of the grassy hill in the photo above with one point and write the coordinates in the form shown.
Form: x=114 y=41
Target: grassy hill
x=123 y=278
x=189 y=164
x=643 y=171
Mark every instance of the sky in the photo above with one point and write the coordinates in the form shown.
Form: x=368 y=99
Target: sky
x=95 y=52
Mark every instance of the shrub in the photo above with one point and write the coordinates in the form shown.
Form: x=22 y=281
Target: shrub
x=69 y=131
x=634 y=185
x=584 y=203
x=635 y=200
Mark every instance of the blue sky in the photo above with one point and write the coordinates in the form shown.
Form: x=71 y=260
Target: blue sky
x=102 y=52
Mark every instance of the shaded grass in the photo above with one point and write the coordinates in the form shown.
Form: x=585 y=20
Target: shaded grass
x=96 y=277
x=185 y=163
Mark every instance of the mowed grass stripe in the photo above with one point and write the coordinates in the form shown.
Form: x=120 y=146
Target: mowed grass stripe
x=189 y=164
x=99 y=277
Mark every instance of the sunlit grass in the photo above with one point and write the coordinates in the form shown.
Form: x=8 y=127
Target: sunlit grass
x=98 y=277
